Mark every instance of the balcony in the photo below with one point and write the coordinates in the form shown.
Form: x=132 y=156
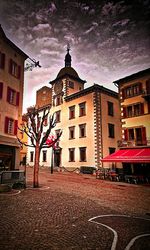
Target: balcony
x=146 y=95
x=133 y=143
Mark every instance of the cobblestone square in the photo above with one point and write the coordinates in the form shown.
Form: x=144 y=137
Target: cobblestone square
x=75 y=211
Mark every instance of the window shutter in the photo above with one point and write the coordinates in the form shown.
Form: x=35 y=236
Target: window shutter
x=8 y=94
x=6 y=125
x=19 y=72
x=1 y=89
x=142 y=108
x=17 y=98
x=126 y=134
x=3 y=61
x=10 y=66
x=144 y=135
x=15 y=127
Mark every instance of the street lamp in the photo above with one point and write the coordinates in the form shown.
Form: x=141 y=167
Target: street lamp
x=50 y=141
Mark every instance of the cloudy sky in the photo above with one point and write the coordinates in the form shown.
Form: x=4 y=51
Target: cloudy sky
x=109 y=39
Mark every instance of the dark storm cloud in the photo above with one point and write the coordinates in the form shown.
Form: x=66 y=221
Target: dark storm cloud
x=109 y=39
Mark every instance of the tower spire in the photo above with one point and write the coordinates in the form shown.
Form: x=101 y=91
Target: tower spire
x=68 y=57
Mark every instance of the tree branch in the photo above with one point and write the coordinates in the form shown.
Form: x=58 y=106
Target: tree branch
x=25 y=144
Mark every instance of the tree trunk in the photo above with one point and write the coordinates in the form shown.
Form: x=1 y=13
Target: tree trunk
x=36 y=166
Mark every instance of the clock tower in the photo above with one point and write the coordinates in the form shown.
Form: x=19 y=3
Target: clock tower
x=66 y=83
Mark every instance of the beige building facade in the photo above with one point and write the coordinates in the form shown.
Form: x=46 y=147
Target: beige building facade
x=11 y=99
x=89 y=118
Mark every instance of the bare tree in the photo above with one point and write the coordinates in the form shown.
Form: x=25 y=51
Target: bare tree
x=33 y=128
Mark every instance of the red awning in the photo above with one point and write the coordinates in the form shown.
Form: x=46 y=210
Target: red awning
x=141 y=155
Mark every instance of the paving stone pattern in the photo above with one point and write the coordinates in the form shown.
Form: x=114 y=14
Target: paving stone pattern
x=56 y=216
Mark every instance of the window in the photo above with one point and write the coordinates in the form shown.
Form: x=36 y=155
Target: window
x=11 y=126
x=112 y=150
x=44 y=155
x=2 y=60
x=132 y=90
x=137 y=134
x=82 y=153
x=131 y=134
x=13 y=96
x=72 y=132
x=111 y=130
x=58 y=100
x=71 y=154
x=82 y=109
x=71 y=112
x=133 y=110
x=137 y=109
x=57 y=116
x=14 y=69
x=128 y=92
x=31 y=156
x=82 y=130
x=136 y=89
x=1 y=90
x=71 y=85
x=110 y=108
x=129 y=111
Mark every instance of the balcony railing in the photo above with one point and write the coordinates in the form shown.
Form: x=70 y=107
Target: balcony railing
x=133 y=143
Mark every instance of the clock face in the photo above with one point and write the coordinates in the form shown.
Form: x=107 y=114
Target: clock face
x=58 y=87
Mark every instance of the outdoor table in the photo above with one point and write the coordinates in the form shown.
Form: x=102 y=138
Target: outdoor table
x=134 y=178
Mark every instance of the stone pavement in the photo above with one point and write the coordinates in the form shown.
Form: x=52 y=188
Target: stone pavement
x=74 y=211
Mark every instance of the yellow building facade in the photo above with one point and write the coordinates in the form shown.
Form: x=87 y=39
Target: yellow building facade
x=11 y=99
x=134 y=95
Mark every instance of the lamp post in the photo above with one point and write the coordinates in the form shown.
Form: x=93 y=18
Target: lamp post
x=50 y=142
x=52 y=161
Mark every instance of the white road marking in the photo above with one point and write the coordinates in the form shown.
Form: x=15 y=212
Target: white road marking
x=115 y=239
x=8 y=194
x=130 y=244
x=39 y=188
